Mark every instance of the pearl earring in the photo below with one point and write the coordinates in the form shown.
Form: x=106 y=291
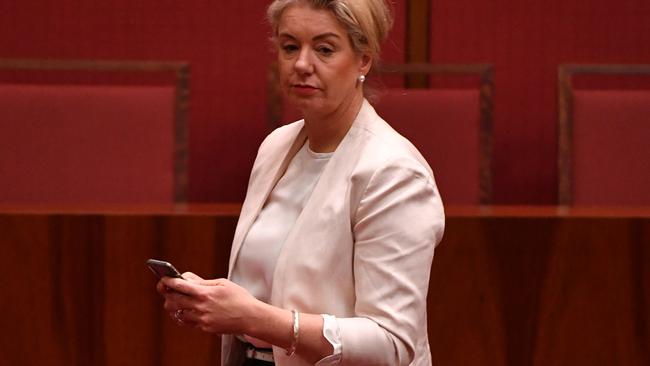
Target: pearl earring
x=362 y=78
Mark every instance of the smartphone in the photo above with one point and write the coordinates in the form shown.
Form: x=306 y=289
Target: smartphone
x=163 y=269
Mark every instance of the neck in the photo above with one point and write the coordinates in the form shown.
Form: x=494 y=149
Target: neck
x=326 y=131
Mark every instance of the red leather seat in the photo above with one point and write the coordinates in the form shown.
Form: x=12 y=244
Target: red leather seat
x=604 y=149
x=611 y=147
x=87 y=144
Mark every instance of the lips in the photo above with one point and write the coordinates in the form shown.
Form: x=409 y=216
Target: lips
x=304 y=89
x=304 y=86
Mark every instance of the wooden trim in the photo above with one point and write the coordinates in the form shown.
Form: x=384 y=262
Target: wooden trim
x=486 y=132
x=565 y=138
x=427 y=68
x=565 y=116
x=607 y=69
x=181 y=71
x=91 y=65
x=417 y=39
x=181 y=132
x=485 y=72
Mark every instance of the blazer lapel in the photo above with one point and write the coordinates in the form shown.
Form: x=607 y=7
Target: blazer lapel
x=342 y=162
x=257 y=196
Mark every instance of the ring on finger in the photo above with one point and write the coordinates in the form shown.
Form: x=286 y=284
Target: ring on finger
x=178 y=314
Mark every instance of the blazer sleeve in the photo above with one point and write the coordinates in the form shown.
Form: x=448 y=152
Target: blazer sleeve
x=398 y=222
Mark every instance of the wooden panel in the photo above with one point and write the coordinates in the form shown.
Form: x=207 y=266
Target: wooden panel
x=82 y=295
x=510 y=285
x=595 y=304
x=531 y=290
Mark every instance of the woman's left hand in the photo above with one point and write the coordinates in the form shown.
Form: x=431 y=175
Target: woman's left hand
x=217 y=306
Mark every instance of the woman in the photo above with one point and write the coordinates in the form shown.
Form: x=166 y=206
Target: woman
x=331 y=257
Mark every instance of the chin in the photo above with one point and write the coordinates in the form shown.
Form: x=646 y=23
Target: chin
x=307 y=105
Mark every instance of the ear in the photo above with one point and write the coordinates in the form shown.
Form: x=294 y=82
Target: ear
x=366 y=63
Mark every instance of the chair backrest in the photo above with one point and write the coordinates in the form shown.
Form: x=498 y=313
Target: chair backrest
x=604 y=134
x=78 y=132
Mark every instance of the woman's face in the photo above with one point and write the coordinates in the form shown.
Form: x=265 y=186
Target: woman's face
x=318 y=67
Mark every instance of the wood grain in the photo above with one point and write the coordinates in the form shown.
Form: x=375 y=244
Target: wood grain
x=509 y=286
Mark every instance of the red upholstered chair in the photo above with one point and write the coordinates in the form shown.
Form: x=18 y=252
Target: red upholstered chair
x=604 y=135
x=451 y=126
x=100 y=141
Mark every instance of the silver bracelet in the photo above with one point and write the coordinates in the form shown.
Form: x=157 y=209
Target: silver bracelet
x=296 y=333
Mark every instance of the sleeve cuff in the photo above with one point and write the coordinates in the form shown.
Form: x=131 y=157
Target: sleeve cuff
x=332 y=333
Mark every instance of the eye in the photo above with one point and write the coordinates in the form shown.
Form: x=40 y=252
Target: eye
x=289 y=48
x=325 y=50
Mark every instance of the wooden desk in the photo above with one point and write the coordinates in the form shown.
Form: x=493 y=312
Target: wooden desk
x=542 y=286
x=510 y=285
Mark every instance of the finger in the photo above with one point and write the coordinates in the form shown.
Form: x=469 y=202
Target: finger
x=214 y=282
x=188 y=288
x=180 y=316
x=191 y=276
x=190 y=316
x=160 y=287
x=175 y=301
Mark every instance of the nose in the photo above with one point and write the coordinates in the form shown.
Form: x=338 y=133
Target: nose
x=303 y=64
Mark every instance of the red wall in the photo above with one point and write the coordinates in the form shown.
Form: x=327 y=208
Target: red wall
x=226 y=44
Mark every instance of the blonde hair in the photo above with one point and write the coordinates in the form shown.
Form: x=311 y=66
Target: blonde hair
x=366 y=21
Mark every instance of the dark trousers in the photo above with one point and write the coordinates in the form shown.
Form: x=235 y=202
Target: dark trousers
x=253 y=362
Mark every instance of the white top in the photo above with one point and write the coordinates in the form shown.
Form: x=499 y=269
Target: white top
x=259 y=253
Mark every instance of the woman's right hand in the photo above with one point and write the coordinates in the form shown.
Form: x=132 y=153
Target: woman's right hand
x=217 y=306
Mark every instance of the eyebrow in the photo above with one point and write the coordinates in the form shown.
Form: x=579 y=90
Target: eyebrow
x=316 y=38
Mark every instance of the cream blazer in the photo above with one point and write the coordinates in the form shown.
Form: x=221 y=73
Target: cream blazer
x=362 y=247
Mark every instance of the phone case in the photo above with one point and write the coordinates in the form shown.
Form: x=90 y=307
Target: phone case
x=163 y=269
